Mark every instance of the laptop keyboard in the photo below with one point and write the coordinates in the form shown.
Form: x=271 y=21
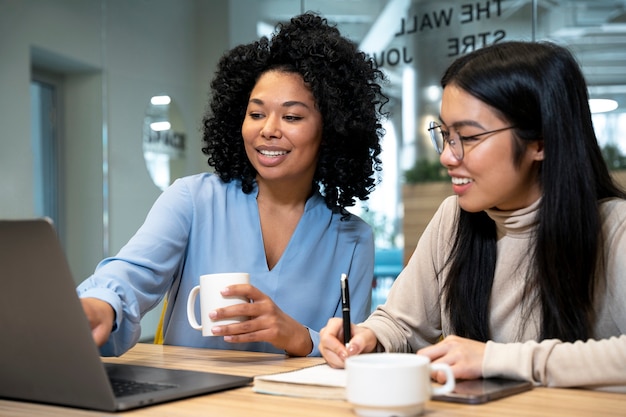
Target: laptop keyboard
x=124 y=388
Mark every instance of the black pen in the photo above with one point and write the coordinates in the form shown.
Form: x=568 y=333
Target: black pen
x=345 y=307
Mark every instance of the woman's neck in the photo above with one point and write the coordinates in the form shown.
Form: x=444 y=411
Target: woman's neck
x=283 y=194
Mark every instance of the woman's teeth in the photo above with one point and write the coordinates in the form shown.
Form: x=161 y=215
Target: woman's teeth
x=461 y=181
x=272 y=153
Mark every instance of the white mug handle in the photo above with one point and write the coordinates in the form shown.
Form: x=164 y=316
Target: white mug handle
x=191 y=311
x=450 y=382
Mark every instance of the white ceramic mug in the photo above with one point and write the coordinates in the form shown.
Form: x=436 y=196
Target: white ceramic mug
x=211 y=298
x=393 y=384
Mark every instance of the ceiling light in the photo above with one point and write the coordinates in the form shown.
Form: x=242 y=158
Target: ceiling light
x=160 y=100
x=602 y=105
x=160 y=126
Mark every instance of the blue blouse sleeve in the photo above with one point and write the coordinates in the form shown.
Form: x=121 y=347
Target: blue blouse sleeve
x=138 y=277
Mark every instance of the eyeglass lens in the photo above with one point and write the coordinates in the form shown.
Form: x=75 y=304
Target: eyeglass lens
x=439 y=140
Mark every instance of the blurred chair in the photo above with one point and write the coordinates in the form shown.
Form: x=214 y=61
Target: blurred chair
x=387 y=266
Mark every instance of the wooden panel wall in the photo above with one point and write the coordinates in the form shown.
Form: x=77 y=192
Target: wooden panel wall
x=420 y=204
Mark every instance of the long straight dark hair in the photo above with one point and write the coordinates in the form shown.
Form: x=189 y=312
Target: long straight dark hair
x=539 y=88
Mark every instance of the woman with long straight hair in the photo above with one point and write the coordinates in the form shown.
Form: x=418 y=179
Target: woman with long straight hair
x=522 y=273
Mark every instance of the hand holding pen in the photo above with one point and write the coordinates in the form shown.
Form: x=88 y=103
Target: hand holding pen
x=331 y=346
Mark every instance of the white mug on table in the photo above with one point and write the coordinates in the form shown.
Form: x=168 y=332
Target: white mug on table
x=211 y=298
x=393 y=384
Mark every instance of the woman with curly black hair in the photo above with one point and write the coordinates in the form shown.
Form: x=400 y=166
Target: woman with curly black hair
x=293 y=133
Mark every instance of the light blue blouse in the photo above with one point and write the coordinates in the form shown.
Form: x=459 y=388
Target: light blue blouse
x=201 y=225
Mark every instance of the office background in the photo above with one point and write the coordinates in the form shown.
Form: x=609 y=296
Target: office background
x=83 y=73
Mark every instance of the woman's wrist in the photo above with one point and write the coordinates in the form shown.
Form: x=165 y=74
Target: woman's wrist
x=301 y=344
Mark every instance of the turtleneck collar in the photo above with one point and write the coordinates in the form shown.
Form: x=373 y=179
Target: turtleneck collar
x=515 y=223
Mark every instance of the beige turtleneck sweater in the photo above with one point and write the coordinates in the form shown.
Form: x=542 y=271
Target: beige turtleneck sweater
x=413 y=316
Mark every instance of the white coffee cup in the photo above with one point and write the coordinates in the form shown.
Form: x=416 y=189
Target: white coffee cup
x=393 y=384
x=211 y=298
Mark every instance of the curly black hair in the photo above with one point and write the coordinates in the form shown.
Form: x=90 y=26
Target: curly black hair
x=347 y=88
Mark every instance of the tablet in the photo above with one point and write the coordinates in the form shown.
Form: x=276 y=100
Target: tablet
x=479 y=391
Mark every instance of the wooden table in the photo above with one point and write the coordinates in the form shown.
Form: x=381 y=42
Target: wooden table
x=243 y=402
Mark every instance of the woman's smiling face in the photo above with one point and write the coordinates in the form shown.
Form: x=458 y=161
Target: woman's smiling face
x=487 y=176
x=282 y=129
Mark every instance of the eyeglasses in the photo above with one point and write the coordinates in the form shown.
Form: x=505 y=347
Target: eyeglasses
x=439 y=137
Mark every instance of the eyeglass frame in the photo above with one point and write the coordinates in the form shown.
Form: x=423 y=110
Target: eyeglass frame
x=432 y=126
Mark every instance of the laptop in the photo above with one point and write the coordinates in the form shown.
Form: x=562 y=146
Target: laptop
x=47 y=354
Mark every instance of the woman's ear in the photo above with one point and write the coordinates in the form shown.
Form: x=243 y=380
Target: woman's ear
x=536 y=147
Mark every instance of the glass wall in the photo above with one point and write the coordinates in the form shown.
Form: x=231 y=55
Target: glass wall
x=413 y=41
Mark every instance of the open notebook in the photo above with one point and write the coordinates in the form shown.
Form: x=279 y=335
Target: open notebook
x=47 y=353
x=319 y=381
